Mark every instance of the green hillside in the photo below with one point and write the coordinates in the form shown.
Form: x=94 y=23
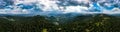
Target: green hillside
x=92 y=23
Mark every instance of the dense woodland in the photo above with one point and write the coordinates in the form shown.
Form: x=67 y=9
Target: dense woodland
x=91 y=23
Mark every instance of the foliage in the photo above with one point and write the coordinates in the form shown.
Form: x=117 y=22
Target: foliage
x=92 y=23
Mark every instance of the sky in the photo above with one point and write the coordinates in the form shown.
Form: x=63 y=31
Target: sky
x=46 y=7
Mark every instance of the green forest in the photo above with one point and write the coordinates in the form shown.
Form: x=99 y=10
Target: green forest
x=91 y=23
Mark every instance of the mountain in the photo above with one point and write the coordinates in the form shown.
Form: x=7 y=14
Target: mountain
x=79 y=23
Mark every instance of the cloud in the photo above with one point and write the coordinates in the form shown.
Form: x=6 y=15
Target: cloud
x=52 y=7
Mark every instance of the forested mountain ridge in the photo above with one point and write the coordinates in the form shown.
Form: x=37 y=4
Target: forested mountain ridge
x=91 y=23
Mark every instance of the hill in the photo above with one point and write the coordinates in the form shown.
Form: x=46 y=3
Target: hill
x=85 y=23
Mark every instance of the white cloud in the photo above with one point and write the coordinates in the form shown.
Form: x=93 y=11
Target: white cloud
x=76 y=9
x=81 y=1
x=113 y=11
x=50 y=6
